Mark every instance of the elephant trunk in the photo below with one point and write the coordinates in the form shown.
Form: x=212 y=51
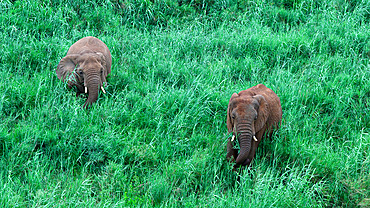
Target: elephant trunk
x=245 y=136
x=92 y=86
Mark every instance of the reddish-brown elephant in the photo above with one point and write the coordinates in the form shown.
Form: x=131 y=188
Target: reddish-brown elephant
x=86 y=66
x=252 y=114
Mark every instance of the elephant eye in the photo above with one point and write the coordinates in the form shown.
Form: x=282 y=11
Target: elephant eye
x=80 y=72
x=255 y=118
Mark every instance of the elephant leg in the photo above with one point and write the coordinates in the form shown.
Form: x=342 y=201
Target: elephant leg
x=269 y=132
x=79 y=90
x=231 y=151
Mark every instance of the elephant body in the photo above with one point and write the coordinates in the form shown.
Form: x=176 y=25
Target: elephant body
x=252 y=114
x=86 y=66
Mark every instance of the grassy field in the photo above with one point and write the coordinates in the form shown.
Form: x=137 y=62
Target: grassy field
x=158 y=137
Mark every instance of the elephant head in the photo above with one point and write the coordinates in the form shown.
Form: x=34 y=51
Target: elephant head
x=86 y=71
x=246 y=119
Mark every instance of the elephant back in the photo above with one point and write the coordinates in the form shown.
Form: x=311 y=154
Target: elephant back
x=92 y=45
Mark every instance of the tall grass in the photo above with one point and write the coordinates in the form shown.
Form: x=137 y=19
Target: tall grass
x=158 y=137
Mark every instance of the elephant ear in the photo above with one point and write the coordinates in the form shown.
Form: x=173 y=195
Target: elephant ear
x=103 y=61
x=263 y=110
x=66 y=66
x=104 y=64
x=229 y=110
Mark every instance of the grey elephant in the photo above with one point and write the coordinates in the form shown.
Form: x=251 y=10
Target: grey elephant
x=252 y=114
x=86 y=66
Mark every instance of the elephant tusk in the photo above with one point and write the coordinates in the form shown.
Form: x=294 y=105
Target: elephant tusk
x=102 y=89
x=233 y=138
x=85 y=89
x=255 y=139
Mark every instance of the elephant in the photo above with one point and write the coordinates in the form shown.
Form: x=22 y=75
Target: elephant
x=252 y=114
x=86 y=66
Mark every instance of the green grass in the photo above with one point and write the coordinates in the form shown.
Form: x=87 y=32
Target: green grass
x=158 y=137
